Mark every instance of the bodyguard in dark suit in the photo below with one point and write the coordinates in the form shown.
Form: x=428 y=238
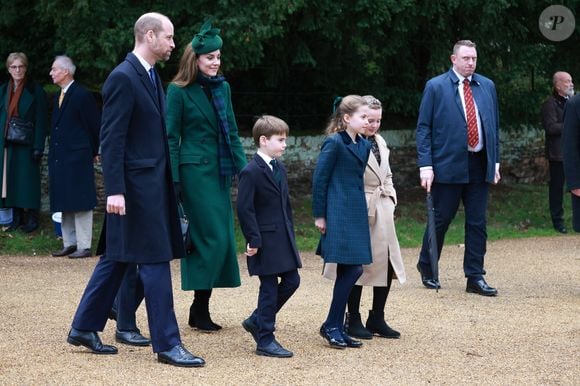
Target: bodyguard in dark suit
x=265 y=215
x=571 y=155
x=74 y=144
x=142 y=224
x=458 y=156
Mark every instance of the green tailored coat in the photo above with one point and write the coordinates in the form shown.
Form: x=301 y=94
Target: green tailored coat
x=193 y=146
x=22 y=173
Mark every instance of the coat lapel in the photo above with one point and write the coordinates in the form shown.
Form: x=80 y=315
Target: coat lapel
x=145 y=79
x=351 y=146
x=199 y=98
x=67 y=97
x=266 y=170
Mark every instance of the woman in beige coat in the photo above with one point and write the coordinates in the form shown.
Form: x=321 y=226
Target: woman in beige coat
x=387 y=261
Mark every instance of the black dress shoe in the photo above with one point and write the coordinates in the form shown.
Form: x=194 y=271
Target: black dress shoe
x=561 y=228
x=427 y=280
x=274 y=349
x=132 y=338
x=333 y=337
x=351 y=342
x=251 y=327
x=65 y=251
x=179 y=356
x=90 y=340
x=480 y=287
x=80 y=254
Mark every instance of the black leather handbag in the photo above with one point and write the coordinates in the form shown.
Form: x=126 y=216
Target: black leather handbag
x=19 y=131
x=184 y=222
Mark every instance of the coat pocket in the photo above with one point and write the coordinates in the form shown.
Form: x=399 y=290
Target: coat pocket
x=140 y=163
x=190 y=160
x=268 y=227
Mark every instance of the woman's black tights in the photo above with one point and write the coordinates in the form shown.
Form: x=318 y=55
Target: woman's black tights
x=346 y=276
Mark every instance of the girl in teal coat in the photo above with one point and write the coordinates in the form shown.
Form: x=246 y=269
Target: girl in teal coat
x=206 y=153
x=20 y=164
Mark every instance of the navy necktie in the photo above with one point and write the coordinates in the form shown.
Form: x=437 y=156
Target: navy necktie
x=276 y=171
x=152 y=77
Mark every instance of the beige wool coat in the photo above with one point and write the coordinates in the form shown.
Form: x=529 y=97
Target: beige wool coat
x=381 y=200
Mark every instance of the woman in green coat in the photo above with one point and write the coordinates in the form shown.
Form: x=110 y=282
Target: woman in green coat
x=206 y=153
x=20 y=163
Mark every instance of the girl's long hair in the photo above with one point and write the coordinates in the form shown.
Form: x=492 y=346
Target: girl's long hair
x=348 y=105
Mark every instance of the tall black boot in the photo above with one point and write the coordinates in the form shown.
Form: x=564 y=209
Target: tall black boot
x=31 y=222
x=354 y=327
x=376 y=324
x=199 y=312
x=17 y=217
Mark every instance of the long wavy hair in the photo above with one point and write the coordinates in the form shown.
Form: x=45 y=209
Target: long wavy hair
x=187 y=72
x=348 y=105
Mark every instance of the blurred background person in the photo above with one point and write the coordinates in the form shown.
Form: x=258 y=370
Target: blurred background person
x=24 y=99
x=553 y=121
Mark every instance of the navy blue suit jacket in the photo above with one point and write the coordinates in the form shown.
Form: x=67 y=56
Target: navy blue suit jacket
x=74 y=142
x=442 y=127
x=265 y=217
x=135 y=159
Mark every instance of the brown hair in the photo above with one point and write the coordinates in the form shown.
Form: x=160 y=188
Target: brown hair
x=187 y=72
x=463 y=43
x=152 y=21
x=268 y=125
x=16 y=55
x=348 y=105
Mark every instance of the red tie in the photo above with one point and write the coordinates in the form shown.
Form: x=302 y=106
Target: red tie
x=472 y=134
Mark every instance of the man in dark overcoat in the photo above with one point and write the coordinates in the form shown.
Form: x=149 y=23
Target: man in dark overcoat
x=571 y=155
x=142 y=224
x=74 y=145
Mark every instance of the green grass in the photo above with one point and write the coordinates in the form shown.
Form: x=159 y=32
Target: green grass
x=515 y=211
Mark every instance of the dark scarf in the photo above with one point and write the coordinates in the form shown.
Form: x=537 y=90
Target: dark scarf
x=375 y=148
x=227 y=165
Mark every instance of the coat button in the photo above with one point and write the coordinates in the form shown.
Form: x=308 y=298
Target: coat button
x=205 y=161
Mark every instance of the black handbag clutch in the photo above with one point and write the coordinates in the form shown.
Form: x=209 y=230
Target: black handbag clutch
x=184 y=222
x=19 y=131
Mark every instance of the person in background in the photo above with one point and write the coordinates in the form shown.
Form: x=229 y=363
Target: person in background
x=387 y=261
x=553 y=120
x=73 y=147
x=206 y=153
x=340 y=209
x=458 y=158
x=22 y=98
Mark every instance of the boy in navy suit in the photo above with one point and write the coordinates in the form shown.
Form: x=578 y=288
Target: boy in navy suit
x=265 y=217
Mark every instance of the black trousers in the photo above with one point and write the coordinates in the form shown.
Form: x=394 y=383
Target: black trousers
x=556 y=192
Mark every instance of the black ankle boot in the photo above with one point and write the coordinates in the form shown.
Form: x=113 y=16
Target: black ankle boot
x=199 y=315
x=376 y=324
x=353 y=326
x=31 y=222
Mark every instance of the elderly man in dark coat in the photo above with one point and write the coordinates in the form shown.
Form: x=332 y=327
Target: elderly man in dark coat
x=142 y=224
x=74 y=144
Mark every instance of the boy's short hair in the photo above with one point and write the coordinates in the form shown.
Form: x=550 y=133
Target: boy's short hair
x=268 y=125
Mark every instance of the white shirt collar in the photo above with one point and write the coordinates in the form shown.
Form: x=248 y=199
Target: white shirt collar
x=265 y=157
x=65 y=88
x=461 y=77
x=143 y=62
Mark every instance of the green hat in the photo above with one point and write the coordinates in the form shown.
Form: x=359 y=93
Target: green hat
x=207 y=40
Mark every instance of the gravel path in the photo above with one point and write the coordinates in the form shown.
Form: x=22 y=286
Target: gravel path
x=529 y=334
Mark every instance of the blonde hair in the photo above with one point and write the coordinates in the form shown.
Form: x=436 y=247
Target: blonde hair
x=187 y=72
x=348 y=105
x=268 y=125
x=374 y=103
x=463 y=43
x=16 y=55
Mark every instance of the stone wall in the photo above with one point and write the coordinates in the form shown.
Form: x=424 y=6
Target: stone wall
x=522 y=160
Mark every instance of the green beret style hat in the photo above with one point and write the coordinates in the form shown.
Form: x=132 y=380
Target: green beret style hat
x=207 y=40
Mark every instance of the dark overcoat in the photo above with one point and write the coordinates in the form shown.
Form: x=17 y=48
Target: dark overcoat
x=22 y=173
x=135 y=160
x=74 y=142
x=571 y=143
x=193 y=142
x=338 y=196
x=265 y=217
